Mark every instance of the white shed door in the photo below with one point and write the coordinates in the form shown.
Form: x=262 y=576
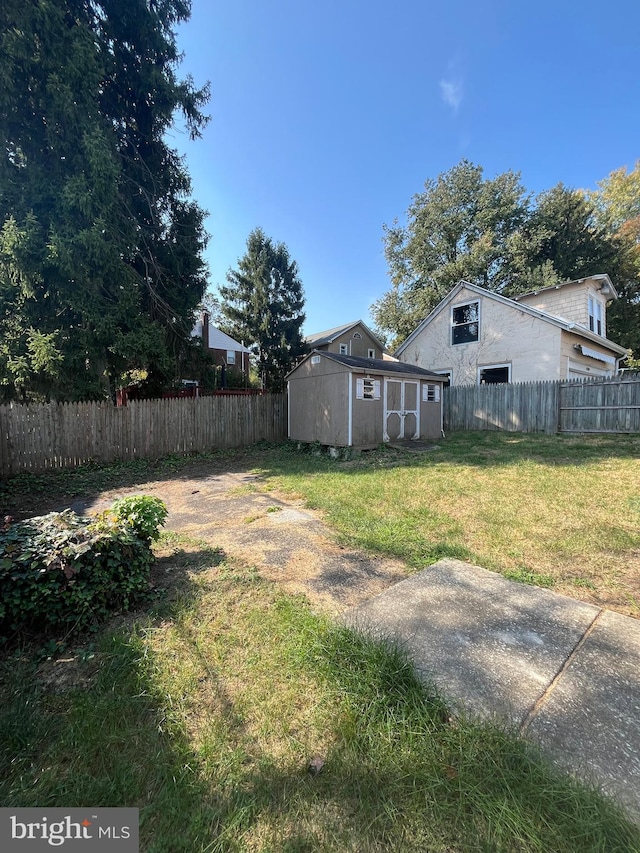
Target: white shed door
x=401 y=409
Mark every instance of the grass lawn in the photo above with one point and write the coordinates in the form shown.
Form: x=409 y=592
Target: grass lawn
x=206 y=711
x=556 y=511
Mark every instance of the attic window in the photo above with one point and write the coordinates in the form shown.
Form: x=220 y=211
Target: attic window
x=367 y=389
x=344 y=349
x=315 y=359
x=465 y=323
x=595 y=316
x=357 y=336
x=371 y=353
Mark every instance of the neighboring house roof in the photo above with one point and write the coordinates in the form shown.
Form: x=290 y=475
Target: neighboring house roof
x=567 y=325
x=372 y=365
x=606 y=287
x=327 y=337
x=218 y=339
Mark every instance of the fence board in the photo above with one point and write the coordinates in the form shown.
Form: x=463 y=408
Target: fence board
x=602 y=405
x=64 y=435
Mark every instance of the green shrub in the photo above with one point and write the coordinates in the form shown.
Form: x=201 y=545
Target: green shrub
x=65 y=573
x=143 y=513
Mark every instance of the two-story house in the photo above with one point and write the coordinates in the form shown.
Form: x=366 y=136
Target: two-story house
x=232 y=355
x=354 y=339
x=475 y=336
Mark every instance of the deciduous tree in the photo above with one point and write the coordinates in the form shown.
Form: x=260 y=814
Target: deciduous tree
x=459 y=227
x=491 y=233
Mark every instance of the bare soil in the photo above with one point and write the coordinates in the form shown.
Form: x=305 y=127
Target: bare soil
x=283 y=540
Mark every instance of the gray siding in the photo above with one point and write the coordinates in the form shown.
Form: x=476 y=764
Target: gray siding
x=319 y=406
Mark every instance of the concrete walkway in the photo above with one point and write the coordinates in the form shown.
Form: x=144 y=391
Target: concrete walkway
x=565 y=673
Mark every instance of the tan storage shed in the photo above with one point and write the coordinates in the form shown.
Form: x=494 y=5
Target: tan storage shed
x=349 y=401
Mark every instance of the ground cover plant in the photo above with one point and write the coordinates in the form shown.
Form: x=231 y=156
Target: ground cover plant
x=63 y=573
x=210 y=713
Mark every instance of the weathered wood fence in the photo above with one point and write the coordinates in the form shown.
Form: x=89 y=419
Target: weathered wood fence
x=64 y=435
x=601 y=405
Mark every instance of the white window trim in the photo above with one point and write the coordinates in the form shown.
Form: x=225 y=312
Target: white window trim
x=482 y=367
x=596 y=311
x=231 y=356
x=451 y=324
x=343 y=349
x=433 y=386
x=360 y=388
x=371 y=353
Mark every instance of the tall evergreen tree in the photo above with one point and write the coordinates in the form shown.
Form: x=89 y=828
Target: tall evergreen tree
x=100 y=244
x=263 y=305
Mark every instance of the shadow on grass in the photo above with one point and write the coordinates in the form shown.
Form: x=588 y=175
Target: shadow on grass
x=30 y=492
x=400 y=774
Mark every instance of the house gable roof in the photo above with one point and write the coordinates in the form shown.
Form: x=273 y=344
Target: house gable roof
x=328 y=337
x=358 y=364
x=606 y=287
x=574 y=328
x=218 y=339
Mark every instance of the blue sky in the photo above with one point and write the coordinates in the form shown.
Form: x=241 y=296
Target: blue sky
x=326 y=118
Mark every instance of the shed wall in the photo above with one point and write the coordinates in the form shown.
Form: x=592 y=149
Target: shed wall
x=367 y=416
x=430 y=417
x=318 y=408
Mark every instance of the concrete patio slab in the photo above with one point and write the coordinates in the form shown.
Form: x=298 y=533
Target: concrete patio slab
x=566 y=673
x=590 y=719
x=489 y=644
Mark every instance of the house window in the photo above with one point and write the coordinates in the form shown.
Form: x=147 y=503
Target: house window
x=465 y=324
x=371 y=353
x=344 y=349
x=595 y=316
x=357 y=336
x=315 y=359
x=430 y=393
x=494 y=374
x=367 y=389
x=231 y=356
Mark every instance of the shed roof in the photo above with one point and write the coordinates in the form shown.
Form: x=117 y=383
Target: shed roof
x=358 y=364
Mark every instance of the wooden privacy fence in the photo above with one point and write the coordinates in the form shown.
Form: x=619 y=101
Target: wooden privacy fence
x=607 y=405
x=611 y=406
x=63 y=435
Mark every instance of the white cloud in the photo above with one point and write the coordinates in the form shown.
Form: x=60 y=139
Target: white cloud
x=451 y=91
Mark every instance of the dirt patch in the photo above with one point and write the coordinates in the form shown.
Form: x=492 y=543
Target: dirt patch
x=276 y=534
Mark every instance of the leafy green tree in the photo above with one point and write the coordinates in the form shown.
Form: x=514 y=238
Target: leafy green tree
x=263 y=305
x=490 y=232
x=562 y=237
x=100 y=245
x=617 y=208
x=460 y=227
